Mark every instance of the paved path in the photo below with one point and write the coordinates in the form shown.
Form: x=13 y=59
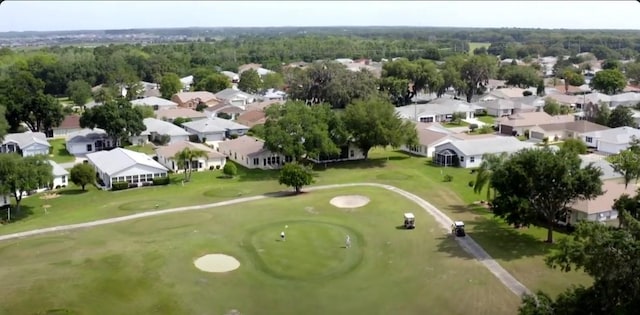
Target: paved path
x=467 y=243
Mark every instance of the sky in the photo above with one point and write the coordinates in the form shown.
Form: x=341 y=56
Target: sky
x=21 y=15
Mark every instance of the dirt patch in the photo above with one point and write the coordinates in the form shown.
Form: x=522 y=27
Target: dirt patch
x=49 y=196
x=216 y=263
x=349 y=202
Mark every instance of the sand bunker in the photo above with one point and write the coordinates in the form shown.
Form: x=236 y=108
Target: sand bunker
x=349 y=202
x=49 y=196
x=216 y=263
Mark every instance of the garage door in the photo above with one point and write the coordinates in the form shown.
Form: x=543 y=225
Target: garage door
x=506 y=130
x=537 y=135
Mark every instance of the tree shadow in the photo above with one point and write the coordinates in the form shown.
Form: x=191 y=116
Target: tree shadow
x=252 y=175
x=71 y=192
x=283 y=194
x=16 y=215
x=401 y=227
x=351 y=165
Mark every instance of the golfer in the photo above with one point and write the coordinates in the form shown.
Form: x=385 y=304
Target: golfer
x=348 y=242
x=282 y=236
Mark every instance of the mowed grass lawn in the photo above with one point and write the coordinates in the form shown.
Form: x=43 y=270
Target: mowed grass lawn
x=59 y=153
x=475 y=45
x=146 y=148
x=146 y=266
x=521 y=252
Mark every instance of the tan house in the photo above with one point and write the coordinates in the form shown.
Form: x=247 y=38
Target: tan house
x=519 y=123
x=251 y=153
x=564 y=130
x=171 y=114
x=214 y=160
x=193 y=99
x=252 y=118
x=601 y=208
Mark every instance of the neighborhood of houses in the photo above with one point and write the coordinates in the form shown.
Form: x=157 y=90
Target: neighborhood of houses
x=519 y=122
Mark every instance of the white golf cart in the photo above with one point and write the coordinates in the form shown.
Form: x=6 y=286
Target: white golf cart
x=409 y=221
x=457 y=228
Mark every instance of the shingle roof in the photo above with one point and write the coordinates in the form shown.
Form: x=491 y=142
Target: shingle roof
x=153 y=101
x=498 y=104
x=69 y=122
x=252 y=118
x=496 y=144
x=580 y=126
x=58 y=170
x=602 y=164
x=230 y=93
x=86 y=134
x=26 y=139
x=162 y=127
x=440 y=106
x=202 y=95
x=620 y=135
x=117 y=160
x=245 y=145
x=534 y=119
x=174 y=113
x=612 y=190
x=213 y=125
x=171 y=149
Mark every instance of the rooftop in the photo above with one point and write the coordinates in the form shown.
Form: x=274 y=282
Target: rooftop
x=174 y=113
x=172 y=149
x=620 y=135
x=495 y=144
x=163 y=128
x=245 y=145
x=534 y=119
x=26 y=139
x=153 y=101
x=117 y=160
x=86 y=134
x=213 y=125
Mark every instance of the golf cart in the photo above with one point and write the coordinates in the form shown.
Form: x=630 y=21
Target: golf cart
x=457 y=228
x=409 y=221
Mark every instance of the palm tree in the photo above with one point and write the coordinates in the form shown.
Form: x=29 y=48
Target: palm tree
x=483 y=174
x=185 y=159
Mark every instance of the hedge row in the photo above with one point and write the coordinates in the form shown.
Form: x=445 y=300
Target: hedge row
x=160 y=181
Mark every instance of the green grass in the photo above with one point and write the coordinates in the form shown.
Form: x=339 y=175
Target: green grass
x=455 y=125
x=486 y=119
x=521 y=252
x=146 y=266
x=59 y=153
x=146 y=149
x=474 y=45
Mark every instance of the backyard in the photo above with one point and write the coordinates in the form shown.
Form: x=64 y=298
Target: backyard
x=521 y=252
x=59 y=152
x=146 y=148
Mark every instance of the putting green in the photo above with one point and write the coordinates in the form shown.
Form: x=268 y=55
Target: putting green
x=312 y=250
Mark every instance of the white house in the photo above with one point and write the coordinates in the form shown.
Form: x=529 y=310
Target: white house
x=214 y=129
x=157 y=128
x=438 y=110
x=88 y=140
x=69 y=125
x=157 y=103
x=234 y=77
x=610 y=141
x=60 y=176
x=468 y=153
x=429 y=135
x=187 y=82
x=251 y=153
x=26 y=143
x=122 y=165
x=236 y=97
x=274 y=95
x=212 y=160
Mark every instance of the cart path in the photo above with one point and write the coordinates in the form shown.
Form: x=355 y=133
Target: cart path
x=467 y=243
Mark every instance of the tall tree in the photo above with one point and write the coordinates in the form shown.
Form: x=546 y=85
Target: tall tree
x=118 y=118
x=295 y=175
x=213 y=83
x=490 y=162
x=79 y=92
x=476 y=72
x=169 y=85
x=23 y=174
x=374 y=122
x=82 y=174
x=250 y=81
x=520 y=76
x=186 y=158
x=4 y=125
x=609 y=81
x=574 y=145
x=273 y=80
x=632 y=71
x=621 y=116
x=626 y=162
x=542 y=183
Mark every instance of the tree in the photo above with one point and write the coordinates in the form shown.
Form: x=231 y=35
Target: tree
x=82 y=174
x=609 y=81
x=457 y=117
x=628 y=204
x=553 y=108
x=632 y=71
x=4 y=125
x=146 y=111
x=230 y=170
x=574 y=145
x=374 y=122
x=521 y=76
x=490 y=162
x=542 y=183
x=572 y=78
x=250 y=81
x=186 y=158
x=118 y=118
x=79 y=92
x=476 y=72
x=273 y=80
x=602 y=115
x=213 y=83
x=611 y=64
x=626 y=162
x=620 y=117
x=295 y=175
x=23 y=174
x=169 y=85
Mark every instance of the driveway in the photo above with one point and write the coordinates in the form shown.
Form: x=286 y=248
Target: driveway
x=467 y=243
x=69 y=165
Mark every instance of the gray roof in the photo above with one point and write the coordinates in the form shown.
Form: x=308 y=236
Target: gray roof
x=441 y=106
x=629 y=97
x=153 y=101
x=26 y=139
x=58 y=170
x=231 y=93
x=620 y=135
x=498 y=104
x=86 y=135
x=214 y=125
x=482 y=146
x=117 y=160
x=600 y=162
x=162 y=127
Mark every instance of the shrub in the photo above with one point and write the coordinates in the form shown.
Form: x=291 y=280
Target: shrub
x=159 y=181
x=527 y=93
x=471 y=183
x=473 y=127
x=448 y=178
x=119 y=186
x=230 y=170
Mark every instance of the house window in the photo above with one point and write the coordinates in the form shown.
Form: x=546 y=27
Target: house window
x=352 y=153
x=288 y=159
x=89 y=147
x=135 y=178
x=64 y=179
x=462 y=159
x=129 y=179
x=472 y=159
x=149 y=177
x=264 y=162
x=256 y=161
x=589 y=139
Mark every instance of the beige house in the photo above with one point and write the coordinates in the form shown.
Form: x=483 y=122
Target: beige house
x=519 y=123
x=429 y=135
x=561 y=131
x=171 y=114
x=214 y=160
x=251 y=153
x=192 y=99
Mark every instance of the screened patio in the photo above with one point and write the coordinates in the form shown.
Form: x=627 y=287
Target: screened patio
x=446 y=158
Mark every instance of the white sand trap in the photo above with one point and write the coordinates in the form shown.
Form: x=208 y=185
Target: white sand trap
x=216 y=263
x=349 y=202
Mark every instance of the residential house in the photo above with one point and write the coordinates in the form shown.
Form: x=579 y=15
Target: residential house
x=149 y=90
x=631 y=88
x=251 y=153
x=88 y=140
x=171 y=114
x=468 y=153
x=26 y=144
x=122 y=165
x=157 y=103
x=254 y=66
x=628 y=99
x=564 y=130
x=571 y=90
x=611 y=141
x=234 y=77
x=212 y=160
x=505 y=94
x=565 y=99
x=495 y=84
x=60 y=176
x=157 y=128
x=429 y=136
x=70 y=124
x=252 y=117
x=519 y=123
x=232 y=111
x=438 y=110
x=348 y=152
x=498 y=107
x=510 y=61
x=187 y=82
x=298 y=64
x=193 y=99
x=214 y=129
x=636 y=116
x=274 y=95
x=236 y=97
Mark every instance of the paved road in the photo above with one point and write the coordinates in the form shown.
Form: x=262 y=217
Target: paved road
x=467 y=243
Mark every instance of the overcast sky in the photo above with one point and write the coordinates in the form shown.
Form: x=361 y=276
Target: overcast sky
x=20 y=15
